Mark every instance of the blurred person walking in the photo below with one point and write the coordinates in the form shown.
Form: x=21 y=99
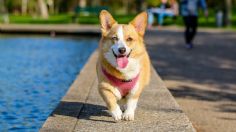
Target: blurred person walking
x=189 y=11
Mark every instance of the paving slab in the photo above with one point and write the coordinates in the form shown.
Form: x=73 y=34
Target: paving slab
x=82 y=109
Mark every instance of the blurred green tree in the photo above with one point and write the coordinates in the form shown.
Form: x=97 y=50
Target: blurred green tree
x=43 y=9
x=153 y=3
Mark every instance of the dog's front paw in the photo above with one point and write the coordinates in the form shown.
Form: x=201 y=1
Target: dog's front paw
x=117 y=113
x=128 y=115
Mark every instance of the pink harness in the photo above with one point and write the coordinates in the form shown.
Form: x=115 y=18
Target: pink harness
x=124 y=86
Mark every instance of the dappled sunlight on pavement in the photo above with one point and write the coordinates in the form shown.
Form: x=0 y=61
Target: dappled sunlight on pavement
x=202 y=80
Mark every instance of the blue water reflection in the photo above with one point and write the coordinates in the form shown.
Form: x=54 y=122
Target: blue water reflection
x=35 y=73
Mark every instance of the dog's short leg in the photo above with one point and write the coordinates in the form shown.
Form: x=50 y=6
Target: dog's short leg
x=116 y=113
x=110 y=99
x=129 y=112
x=131 y=102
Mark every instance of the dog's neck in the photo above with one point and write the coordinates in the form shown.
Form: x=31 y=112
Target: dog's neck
x=124 y=86
x=111 y=69
x=129 y=72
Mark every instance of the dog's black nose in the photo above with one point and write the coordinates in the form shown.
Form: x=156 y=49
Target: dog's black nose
x=122 y=50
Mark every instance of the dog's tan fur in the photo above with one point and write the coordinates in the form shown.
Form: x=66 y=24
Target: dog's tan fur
x=136 y=30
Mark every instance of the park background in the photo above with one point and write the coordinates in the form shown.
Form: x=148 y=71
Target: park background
x=201 y=80
x=86 y=11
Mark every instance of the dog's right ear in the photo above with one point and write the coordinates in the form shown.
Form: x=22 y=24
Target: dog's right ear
x=106 y=21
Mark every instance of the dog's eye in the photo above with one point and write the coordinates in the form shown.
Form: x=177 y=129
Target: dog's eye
x=114 y=38
x=129 y=39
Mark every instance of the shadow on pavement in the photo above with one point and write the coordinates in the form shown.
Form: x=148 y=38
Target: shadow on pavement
x=211 y=63
x=227 y=108
x=192 y=93
x=81 y=110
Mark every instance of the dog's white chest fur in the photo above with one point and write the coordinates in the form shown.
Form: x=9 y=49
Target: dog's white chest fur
x=132 y=69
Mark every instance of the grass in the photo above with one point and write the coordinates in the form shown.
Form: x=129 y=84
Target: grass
x=68 y=18
x=63 y=19
x=204 y=22
x=95 y=20
x=54 y=19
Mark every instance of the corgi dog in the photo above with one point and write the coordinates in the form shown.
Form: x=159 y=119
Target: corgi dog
x=123 y=66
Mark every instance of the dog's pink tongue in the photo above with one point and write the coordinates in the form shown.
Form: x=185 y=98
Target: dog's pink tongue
x=122 y=62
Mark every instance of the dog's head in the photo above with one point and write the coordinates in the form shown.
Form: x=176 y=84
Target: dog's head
x=120 y=42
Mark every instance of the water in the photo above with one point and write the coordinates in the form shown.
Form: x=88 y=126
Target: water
x=35 y=73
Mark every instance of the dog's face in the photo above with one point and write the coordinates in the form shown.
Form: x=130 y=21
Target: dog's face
x=121 y=42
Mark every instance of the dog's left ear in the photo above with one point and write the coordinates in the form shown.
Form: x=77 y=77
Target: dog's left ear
x=140 y=23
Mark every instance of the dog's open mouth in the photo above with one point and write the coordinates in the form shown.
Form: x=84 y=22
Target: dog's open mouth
x=122 y=60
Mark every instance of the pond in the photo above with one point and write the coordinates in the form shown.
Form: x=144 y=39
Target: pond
x=35 y=73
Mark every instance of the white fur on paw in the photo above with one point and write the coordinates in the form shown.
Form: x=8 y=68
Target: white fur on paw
x=128 y=115
x=117 y=113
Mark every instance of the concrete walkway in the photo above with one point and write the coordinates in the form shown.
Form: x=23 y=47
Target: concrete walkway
x=202 y=80
x=82 y=109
